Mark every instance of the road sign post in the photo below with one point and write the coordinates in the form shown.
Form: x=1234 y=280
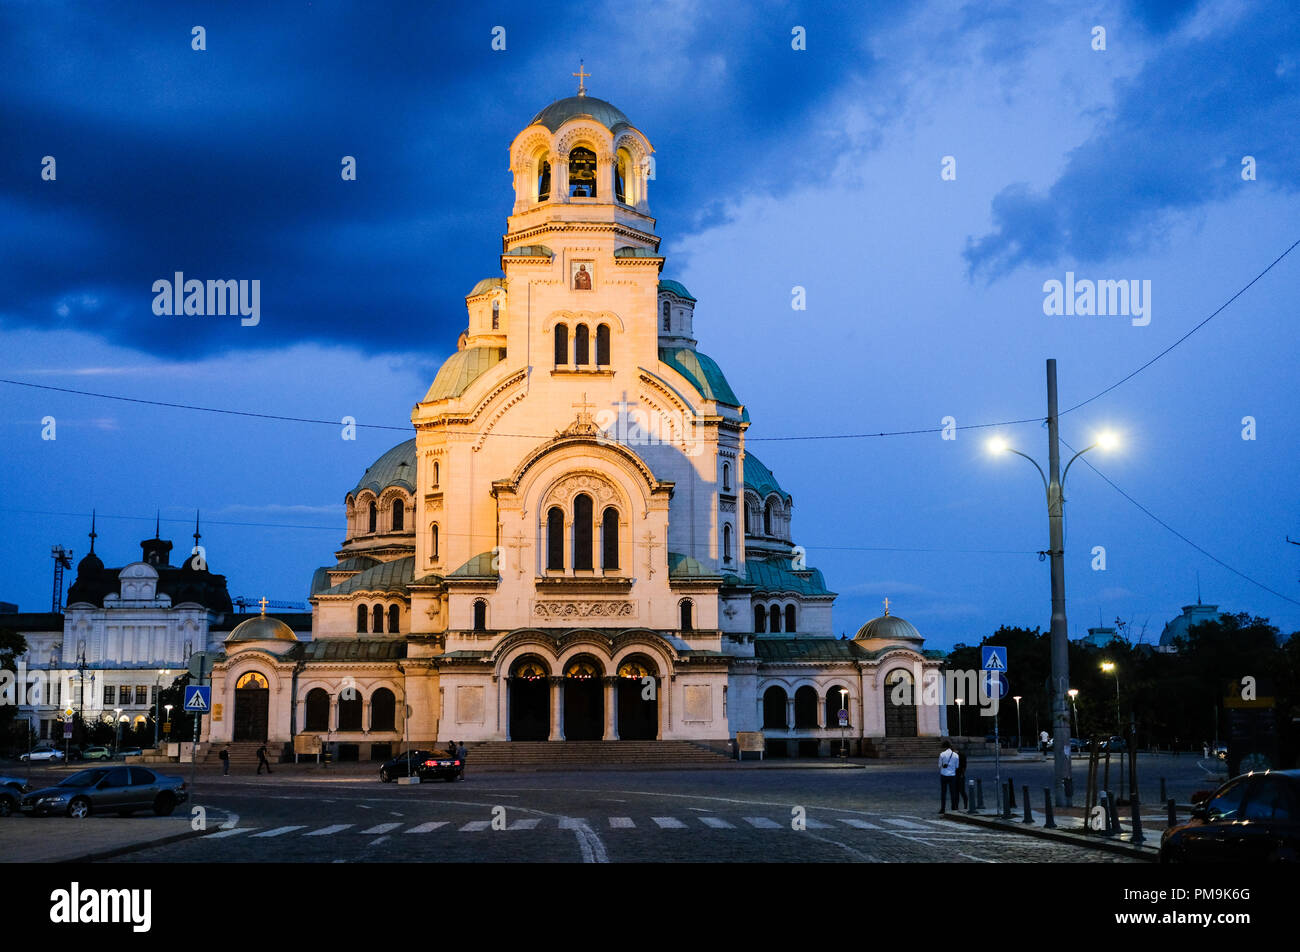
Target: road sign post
x=198 y=700
x=993 y=662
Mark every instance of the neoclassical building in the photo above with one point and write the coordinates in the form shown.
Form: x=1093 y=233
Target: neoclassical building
x=576 y=543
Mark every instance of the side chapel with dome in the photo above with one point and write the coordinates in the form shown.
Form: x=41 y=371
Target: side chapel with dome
x=576 y=544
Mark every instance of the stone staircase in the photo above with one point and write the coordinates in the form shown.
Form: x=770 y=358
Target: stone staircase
x=243 y=753
x=903 y=748
x=563 y=755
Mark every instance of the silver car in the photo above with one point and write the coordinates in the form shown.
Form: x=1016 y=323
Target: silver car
x=43 y=752
x=120 y=790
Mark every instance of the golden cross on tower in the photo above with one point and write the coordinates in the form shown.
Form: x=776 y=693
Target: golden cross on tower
x=263 y=604
x=886 y=607
x=582 y=89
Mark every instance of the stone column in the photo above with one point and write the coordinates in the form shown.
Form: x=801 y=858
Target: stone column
x=665 y=708
x=557 y=709
x=559 y=177
x=611 y=700
x=821 y=713
x=789 y=711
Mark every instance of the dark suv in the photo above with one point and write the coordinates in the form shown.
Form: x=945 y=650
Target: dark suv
x=1250 y=819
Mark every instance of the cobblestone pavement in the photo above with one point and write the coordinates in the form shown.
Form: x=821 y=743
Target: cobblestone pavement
x=878 y=814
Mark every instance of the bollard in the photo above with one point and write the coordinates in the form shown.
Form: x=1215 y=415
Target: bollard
x=1029 y=815
x=1006 y=800
x=1163 y=794
x=1011 y=791
x=1173 y=811
x=1050 y=824
x=1103 y=799
x=1137 y=836
x=979 y=792
x=1112 y=810
x=970 y=796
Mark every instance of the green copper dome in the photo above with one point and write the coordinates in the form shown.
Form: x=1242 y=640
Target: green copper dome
x=562 y=110
x=462 y=369
x=760 y=479
x=394 y=468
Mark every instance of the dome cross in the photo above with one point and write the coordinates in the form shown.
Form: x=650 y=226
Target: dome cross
x=582 y=88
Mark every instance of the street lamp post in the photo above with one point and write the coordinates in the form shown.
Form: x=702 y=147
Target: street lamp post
x=1019 y=743
x=168 y=709
x=1110 y=667
x=117 y=729
x=1074 y=707
x=958 y=703
x=157 y=703
x=1053 y=486
x=844 y=706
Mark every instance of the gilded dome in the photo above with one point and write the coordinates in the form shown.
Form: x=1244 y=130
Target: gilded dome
x=261 y=628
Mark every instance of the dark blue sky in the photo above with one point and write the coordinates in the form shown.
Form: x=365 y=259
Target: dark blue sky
x=775 y=168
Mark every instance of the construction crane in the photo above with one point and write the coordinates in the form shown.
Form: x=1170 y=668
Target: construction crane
x=246 y=602
x=62 y=560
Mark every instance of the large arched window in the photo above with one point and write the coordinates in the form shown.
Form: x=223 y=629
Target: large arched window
x=767 y=519
x=377 y=619
x=561 y=345
x=668 y=320
x=317 y=710
x=496 y=315
x=726 y=542
x=774 y=619
x=383 y=710
x=433 y=542
x=581 y=345
x=399 y=515
x=688 y=615
x=805 y=707
x=760 y=619
x=543 y=180
x=620 y=175
x=602 y=345
x=480 y=615
x=362 y=614
x=555 y=539
x=582 y=173
x=436 y=474
x=609 y=540
x=350 y=710
x=394 y=619
x=726 y=477
x=789 y=618
x=582 y=531
x=774 y=713
x=374 y=517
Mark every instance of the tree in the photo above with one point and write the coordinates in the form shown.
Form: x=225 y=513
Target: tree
x=13 y=734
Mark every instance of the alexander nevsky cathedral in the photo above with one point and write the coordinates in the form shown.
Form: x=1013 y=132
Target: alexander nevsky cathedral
x=576 y=544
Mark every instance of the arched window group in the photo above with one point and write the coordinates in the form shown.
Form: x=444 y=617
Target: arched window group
x=374 y=618
x=769 y=618
x=580 y=551
x=351 y=706
x=368 y=515
x=580 y=356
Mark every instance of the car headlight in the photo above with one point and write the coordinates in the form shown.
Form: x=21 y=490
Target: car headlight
x=57 y=798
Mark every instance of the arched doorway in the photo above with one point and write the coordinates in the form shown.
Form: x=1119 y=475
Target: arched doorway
x=638 y=714
x=252 y=700
x=774 y=712
x=530 y=700
x=900 y=704
x=584 y=700
x=317 y=713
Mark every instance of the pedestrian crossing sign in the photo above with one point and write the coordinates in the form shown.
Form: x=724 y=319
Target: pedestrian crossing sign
x=198 y=698
x=994 y=658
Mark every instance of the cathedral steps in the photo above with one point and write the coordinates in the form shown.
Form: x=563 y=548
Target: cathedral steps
x=591 y=753
x=903 y=748
x=243 y=753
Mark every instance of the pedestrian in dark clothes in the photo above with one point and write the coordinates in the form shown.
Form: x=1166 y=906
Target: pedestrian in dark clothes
x=261 y=759
x=461 y=752
x=961 y=777
x=225 y=761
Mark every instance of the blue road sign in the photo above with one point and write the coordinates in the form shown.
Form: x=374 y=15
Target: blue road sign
x=995 y=684
x=993 y=658
x=198 y=697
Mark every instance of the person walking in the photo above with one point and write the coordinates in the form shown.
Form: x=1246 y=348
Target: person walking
x=261 y=759
x=225 y=761
x=461 y=753
x=948 y=760
x=961 y=777
x=1042 y=743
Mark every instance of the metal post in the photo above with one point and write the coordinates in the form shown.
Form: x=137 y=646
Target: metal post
x=1029 y=816
x=198 y=720
x=970 y=796
x=1060 y=635
x=1137 y=836
x=997 y=761
x=1050 y=824
x=1011 y=793
x=979 y=792
x=1112 y=811
x=1006 y=801
x=1173 y=811
x=1103 y=798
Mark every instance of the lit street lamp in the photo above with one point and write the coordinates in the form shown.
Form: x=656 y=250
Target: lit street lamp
x=1054 y=488
x=1017 y=700
x=1111 y=668
x=1074 y=695
x=958 y=702
x=168 y=709
x=844 y=706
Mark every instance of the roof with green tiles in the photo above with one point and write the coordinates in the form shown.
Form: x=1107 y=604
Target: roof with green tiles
x=760 y=479
x=392 y=576
x=462 y=369
x=675 y=287
x=478 y=567
x=772 y=648
x=683 y=566
x=320 y=579
x=487 y=284
x=350 y=649
x=703 y=373
x=394 y=468
x=775 y=576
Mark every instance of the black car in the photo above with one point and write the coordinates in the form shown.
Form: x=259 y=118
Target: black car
x=397 y=767
x=11 y=794
x=1250 y=819
x=120 y=790
x=441 y=767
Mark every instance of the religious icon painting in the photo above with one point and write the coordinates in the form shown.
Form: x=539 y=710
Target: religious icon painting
x=581 y=272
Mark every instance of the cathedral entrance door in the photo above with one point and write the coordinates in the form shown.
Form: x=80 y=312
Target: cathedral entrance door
x=252 y=701
x=900 y=719
x=530 y=701
x=638 y=701
x=584 y=701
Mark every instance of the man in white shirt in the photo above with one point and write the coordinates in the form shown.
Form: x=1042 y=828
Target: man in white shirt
x=1042 y=742
x=948 y=761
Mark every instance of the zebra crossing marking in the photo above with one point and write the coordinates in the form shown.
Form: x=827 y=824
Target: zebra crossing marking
x=763 y=823
x=904 y=824
x=474 y=826
x=668 y=823
x=427 y=827
x=329 y=830
x=379 y=828
x=717 y=823
x=572 y=823
x=278 y=831
x=621 y=823
x=858 y=824
x=529 y=823
x=231 y=832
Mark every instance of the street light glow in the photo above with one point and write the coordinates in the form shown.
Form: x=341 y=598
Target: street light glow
x=996 y=445
x=1108 y=440
x=1073 y=692
x=1108 y=666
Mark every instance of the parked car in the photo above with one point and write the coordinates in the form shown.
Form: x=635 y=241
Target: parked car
x=120 y=790
x=1250 y=819
x=1115 y=744
x=440 y=766
x=126 y=752
x=397 y=767
x=96 y=753
x=43 y=752
x=11 y=794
